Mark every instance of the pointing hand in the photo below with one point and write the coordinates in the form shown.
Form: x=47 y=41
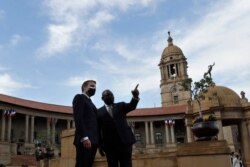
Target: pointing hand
x=135 y=92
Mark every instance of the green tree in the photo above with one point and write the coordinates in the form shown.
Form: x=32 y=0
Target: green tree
x=199 y=88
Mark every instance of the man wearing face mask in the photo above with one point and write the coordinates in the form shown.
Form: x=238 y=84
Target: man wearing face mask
x=86 y=125
x=117 y=137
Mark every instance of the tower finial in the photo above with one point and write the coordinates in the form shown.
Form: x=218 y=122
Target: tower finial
x=170 y=39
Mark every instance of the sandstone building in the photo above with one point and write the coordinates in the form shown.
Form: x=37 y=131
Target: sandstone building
x=24 y=123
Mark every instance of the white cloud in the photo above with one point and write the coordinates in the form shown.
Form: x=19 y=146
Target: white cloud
x=60 y=38
x=123 y=57
x=75 y=81
x=78 y=80
x=99 y=19
x=126 y=53
x=127 y=64
x=221 y=36
x=60 y=9
x=125 y=5
x=125 y=84
x=73 y=21
x=9 y=85
x=218 y=37
x=15 y=39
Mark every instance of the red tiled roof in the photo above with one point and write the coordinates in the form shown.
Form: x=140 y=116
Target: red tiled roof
x=177 y=109
x=35 y=105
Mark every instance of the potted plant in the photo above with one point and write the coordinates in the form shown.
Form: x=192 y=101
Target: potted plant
x=204 y=128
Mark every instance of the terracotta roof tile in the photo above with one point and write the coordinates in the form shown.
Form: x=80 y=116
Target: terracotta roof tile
x=177 y=109
x=35 y=105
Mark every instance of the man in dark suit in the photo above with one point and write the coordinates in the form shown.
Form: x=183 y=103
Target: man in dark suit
x=117 y=137
x=86 y=123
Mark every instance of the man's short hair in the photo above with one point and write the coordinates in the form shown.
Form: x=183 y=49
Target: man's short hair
x=105 y=91
x=85 y=83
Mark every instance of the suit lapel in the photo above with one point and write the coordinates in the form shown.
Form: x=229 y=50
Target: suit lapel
x=106 y=112
x=88 y=100
x=114 y=110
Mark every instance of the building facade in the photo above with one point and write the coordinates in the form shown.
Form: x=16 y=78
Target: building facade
x=25 y=123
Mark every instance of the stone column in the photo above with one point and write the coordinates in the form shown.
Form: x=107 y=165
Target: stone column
x=73 y=124
x=146 y=133
x=168 y=72
x=48 y=129
x=245 y=143
x=189 y=135
x=219 y=124
x=32 y=129
x=53 y=130
x=132 y=125
x=177 y=69
x=26 y=128
x=189 y=118
x=172 y=134
x=152 y=132
x=182 y=69
x=162 y=74
x=3 y=127
x=189 y=131
x=68 y=124
x=9 y=128
x=248 y=126
x=220 y=134
x=167 y=134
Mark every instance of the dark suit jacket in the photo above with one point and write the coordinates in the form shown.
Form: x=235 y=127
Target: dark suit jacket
x=116 y=129
x=86 y=121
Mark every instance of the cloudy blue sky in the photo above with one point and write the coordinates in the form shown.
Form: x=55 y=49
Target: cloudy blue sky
x=49 y=47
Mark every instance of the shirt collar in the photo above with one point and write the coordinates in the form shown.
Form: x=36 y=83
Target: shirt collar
x=107 y=107
x=85 y=95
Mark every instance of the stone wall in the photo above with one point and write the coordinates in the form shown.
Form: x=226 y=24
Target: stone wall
x=144 y=158
x=196 y=154
x=204 y=154
x=5 y=153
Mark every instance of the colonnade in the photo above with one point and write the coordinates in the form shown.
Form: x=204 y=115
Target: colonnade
x=150 y=134
x=6 y=124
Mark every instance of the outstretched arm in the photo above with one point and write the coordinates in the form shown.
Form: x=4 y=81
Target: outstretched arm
x=134 y=101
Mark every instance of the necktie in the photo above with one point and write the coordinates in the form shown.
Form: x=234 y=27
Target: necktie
x=110 y=110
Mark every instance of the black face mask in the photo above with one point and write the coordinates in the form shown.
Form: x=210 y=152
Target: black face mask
x=109 y=100
x=91 y=91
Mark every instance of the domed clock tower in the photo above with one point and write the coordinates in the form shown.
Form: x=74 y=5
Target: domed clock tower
x=173 y=67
